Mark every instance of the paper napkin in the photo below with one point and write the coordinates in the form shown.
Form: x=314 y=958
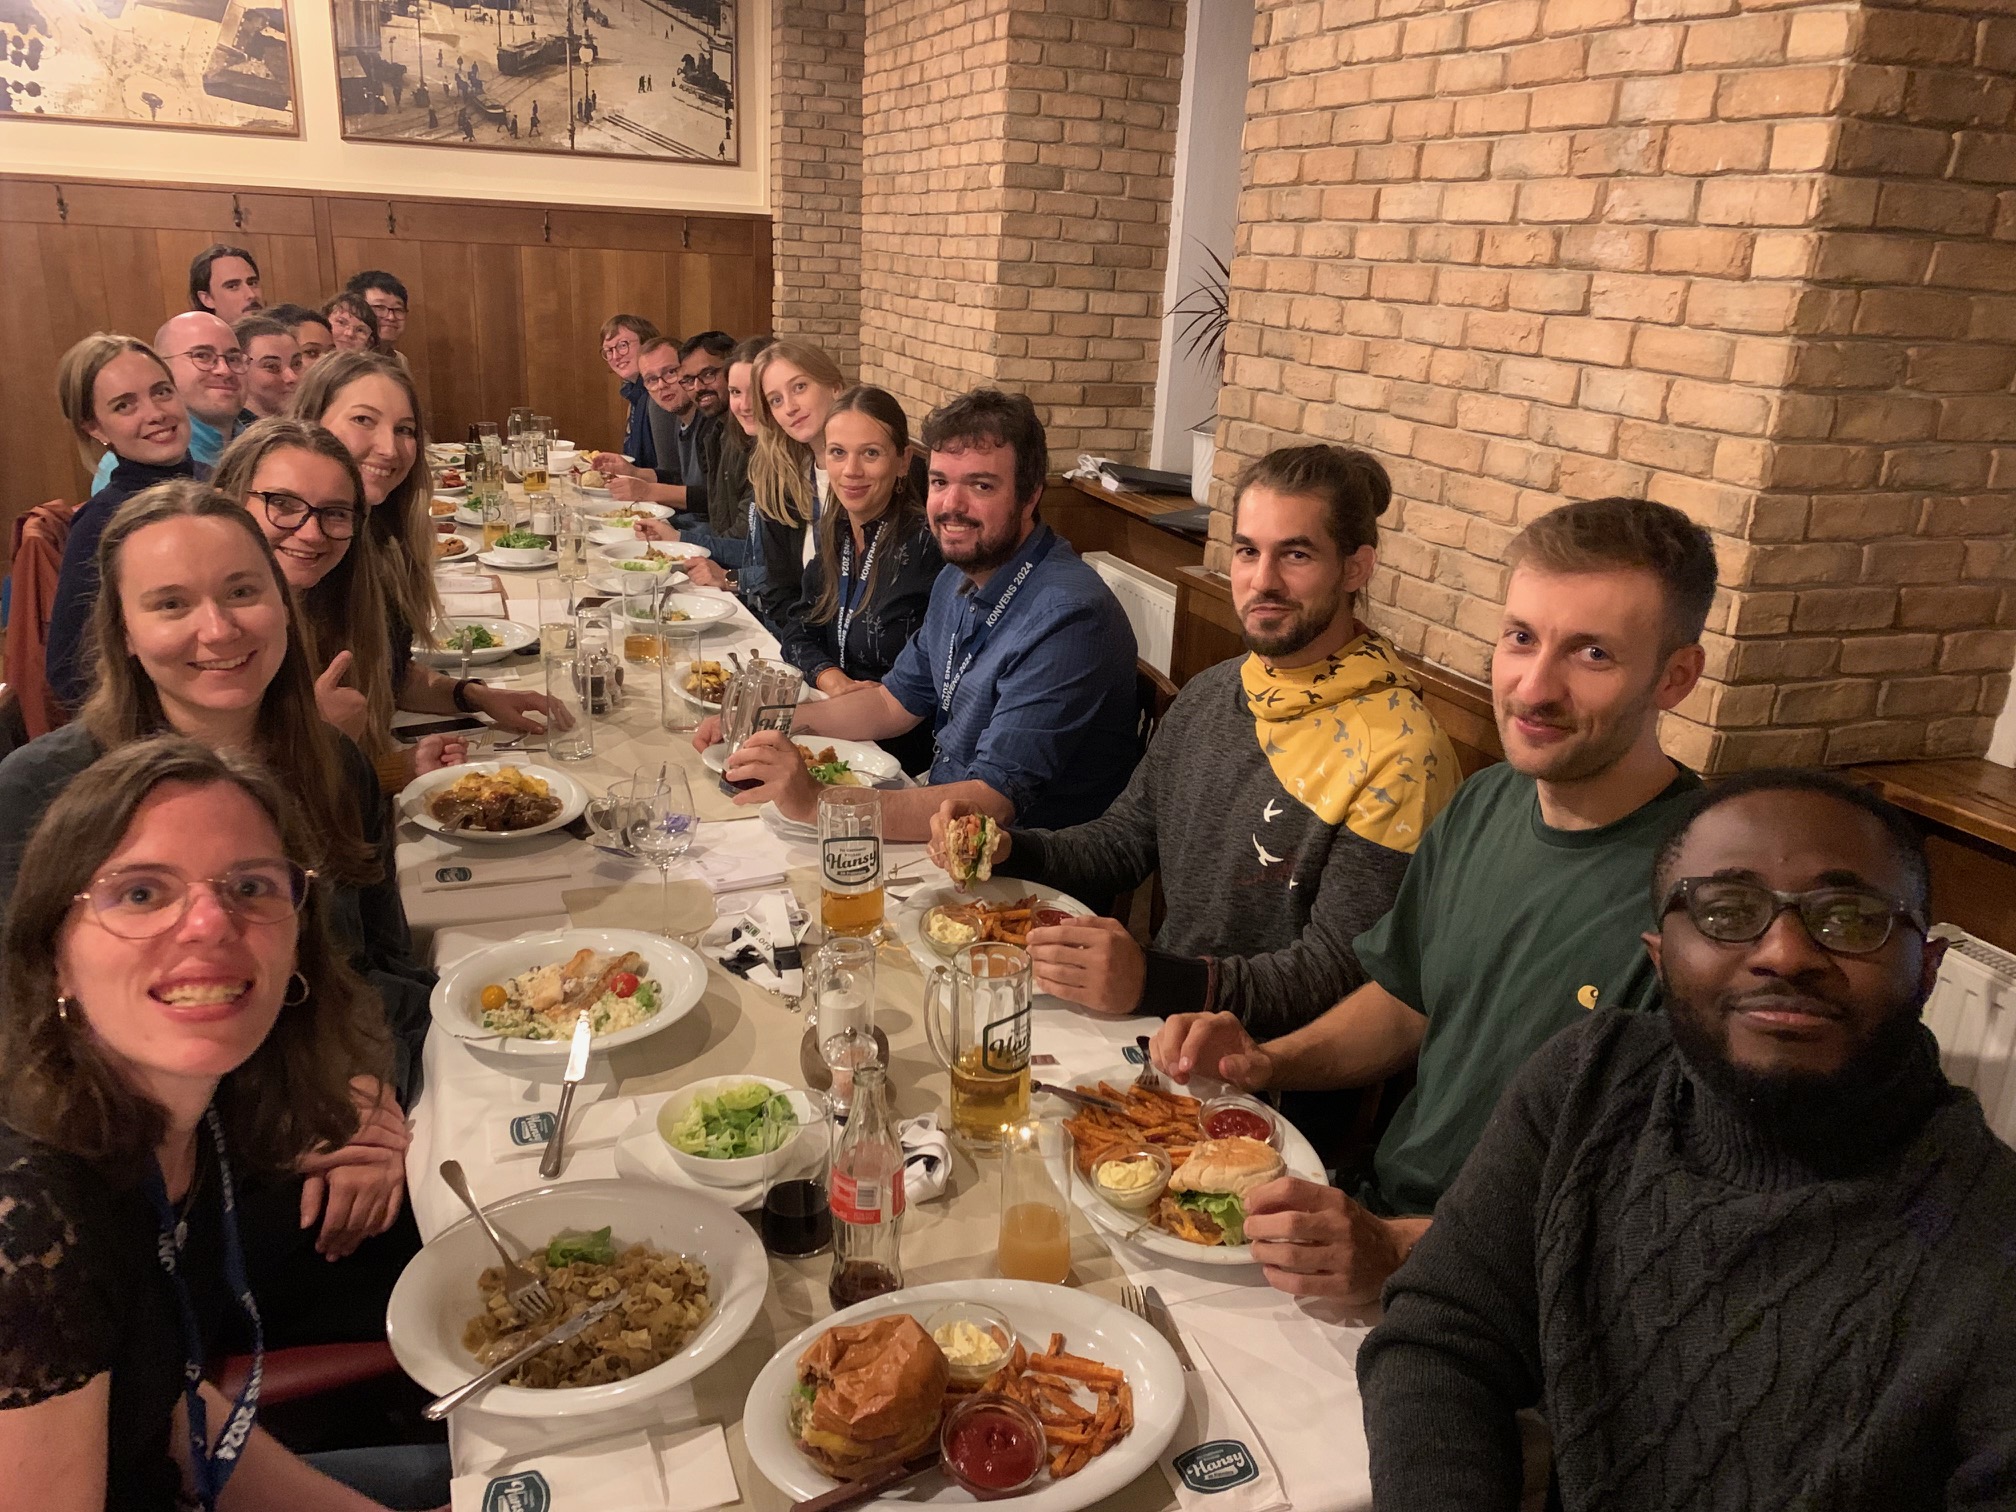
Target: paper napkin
x=655 y=1470
x=514 y=1136
x=1216 y=1459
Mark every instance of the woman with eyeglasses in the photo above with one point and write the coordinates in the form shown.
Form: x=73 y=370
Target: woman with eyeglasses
x=368 y=402
x=175 y=1024
x=120 y=400
x=198 y=635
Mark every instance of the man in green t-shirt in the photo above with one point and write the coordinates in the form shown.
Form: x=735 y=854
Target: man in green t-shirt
x=1523 y=907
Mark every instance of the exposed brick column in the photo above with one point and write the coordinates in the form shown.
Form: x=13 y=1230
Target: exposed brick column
x=1017 y=165
x=815 y=166
x=1754 y=259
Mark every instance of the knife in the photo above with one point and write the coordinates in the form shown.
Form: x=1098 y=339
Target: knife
x=1165 y=1325
x=577 y=1070
x=853 y=1493
x=441 y=1406
x=1072 y=1095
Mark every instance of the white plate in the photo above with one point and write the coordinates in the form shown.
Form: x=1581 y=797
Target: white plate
x=910 y=913
x=634 y=506
x=643 y=1155
x=489 y=559
x=467 y=516
x=729 y=1179
x=436 y=1294
x=699 y=608
x=515 y=637
x=609 y=535
x=869 y=760
x=593 y=493
x=1091 y=1326
x=678 y=682
x=457 y=494
x=1300 y=1156
x=412 y=800
x=681 y=975
x=631 y=549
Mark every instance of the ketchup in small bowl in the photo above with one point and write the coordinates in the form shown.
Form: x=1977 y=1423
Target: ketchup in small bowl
x=1233 y=1116
x=1048 y=918
x=992 y=1446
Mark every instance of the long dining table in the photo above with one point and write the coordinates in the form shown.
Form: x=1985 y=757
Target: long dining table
x=1288 y=1364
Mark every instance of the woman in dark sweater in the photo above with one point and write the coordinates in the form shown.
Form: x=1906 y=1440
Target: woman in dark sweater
x=118 y=397
x=164 y=1037
x=869 y=581
x=796 y=386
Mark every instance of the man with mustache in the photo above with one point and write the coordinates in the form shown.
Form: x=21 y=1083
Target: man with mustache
x=1753 y=1251
x=225 y=281
x=1522 y=908
x=1024 y=663
x=1283 y=794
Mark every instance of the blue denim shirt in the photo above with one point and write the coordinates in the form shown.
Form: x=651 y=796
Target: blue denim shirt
x=1045 y=712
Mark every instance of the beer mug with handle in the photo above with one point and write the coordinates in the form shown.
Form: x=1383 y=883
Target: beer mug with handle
x=977 y=1017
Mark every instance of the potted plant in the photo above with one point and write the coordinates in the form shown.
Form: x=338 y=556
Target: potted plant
x=1203 y=315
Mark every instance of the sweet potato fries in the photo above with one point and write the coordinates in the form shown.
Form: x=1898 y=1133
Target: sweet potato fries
x=1167 y=1119
x=1048 y=1384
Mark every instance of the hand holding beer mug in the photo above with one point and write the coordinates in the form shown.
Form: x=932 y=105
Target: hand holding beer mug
x=977 y=1016
x=850 y=862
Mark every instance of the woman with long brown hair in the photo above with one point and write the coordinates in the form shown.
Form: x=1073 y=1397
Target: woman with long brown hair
x=173 y=1019
x=368 y=402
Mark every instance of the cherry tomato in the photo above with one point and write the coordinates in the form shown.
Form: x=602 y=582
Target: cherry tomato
x=493 y=998
x=623 y=983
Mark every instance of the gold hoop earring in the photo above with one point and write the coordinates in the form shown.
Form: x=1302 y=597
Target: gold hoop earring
x=63 y=1002
x=291 y=1001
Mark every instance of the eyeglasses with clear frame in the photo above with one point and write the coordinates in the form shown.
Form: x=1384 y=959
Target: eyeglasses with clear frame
x=289 y=512
x=140 y=902
x=203 y=359
x=1842 y=920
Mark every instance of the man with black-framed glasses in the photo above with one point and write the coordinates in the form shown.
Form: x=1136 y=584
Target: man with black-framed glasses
x=1749 y=1252
x=688 y=388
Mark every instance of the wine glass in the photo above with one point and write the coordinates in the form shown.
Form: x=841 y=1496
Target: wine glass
x=662 y=821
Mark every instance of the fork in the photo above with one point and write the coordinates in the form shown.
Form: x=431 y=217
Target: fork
x=1148 y=1079
x=525 y=1292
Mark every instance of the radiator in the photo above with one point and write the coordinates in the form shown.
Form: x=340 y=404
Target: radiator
x=1972 y=1012
x=1149 y=602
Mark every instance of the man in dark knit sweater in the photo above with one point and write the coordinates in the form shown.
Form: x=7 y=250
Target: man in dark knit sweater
x=1282 y=796
x=1754 y=1252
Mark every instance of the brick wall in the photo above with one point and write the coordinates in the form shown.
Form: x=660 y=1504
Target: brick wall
x=1017 y=164
x=815 y=166
x=1753 y=259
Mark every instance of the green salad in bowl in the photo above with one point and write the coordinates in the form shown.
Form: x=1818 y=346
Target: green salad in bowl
x=732 y=1124
x=523 y=540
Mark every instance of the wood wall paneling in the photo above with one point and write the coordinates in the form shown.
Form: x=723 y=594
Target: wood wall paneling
x=508 y=299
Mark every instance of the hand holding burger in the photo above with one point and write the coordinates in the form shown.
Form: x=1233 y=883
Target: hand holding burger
x=1205 y=1202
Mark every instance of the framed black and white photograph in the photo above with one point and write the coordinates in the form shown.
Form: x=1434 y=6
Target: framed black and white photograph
x=597 y=78
x=220 y=65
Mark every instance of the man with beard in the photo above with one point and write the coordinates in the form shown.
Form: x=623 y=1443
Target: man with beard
x=1283 y=794
x=1024 y=663
x=1752 y=1252
x=688 y=387
x=224 y=281
x=1521 y=910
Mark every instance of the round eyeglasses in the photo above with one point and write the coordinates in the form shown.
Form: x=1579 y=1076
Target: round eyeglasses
x=1844 y=920
x=140 y=902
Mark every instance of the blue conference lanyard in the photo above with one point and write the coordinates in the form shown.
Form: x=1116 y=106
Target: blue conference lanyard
x=211 y=1468
x=948 y=688
x=853 y=591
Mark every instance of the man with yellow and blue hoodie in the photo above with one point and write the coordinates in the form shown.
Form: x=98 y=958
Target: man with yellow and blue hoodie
x=1281 y=798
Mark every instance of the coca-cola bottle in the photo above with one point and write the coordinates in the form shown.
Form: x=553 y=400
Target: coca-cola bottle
x=867 y=1196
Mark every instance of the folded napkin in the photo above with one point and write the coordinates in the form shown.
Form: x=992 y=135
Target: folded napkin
x=474 y=605
x=450 y=868
x=745 y=942
x=513 y=1136
x=1216 y=1459
x=640 y=1471
x=725 y=870
x=927 y=1157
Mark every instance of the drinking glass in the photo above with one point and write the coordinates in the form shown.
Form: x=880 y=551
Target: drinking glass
x=567 y=683
x=680 y=648
x=1034 y=1242
x=663 y=821
x=797 y=1219
x=977 y=1019
x=843 y=1011
x=850 y=861
x=542 y=515
x=571 y=543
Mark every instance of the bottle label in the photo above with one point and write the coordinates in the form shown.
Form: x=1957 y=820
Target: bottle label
x=859 y=1199
x=851 y=861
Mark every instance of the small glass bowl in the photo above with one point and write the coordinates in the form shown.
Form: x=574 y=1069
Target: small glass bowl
x=989 y=1402
x=1143 y=1198
x=988 y=1320
x=1244 y=1104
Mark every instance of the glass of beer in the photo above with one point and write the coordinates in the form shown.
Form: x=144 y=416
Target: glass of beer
x=977 y=1016
x=850 y=861
x=532 y=460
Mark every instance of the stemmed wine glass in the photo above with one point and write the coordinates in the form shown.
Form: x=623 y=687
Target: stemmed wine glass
x=662 y=821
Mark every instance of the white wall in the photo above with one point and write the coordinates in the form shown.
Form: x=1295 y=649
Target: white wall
x=1204 y=209
x=320 y=159
x=2002 y=744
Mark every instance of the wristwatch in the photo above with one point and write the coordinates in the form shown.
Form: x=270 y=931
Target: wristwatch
x=462 y=688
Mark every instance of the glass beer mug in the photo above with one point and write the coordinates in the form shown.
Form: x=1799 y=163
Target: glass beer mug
x=977 y=1017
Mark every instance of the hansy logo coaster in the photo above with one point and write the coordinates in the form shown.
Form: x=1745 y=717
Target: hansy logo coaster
x=1217 y=1466
x=531 y=1129
x=518 y=1493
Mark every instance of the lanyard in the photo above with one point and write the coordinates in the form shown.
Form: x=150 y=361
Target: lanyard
x=210 y=1468
x=852 y=593
x=948 y=689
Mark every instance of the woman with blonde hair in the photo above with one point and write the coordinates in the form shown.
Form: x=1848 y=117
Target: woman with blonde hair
x=303 y=488
x=796 y=386
x=119 y=398
x=368 y=402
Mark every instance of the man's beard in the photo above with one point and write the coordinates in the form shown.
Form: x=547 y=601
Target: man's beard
x=1595 y=748
x=989 y=549
x=1302 y=628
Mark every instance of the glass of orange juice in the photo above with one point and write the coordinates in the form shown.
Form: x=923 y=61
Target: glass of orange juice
x=1035 y=1236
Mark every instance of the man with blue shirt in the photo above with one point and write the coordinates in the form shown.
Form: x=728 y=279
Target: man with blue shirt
x=209 y=372
x=1024 y=663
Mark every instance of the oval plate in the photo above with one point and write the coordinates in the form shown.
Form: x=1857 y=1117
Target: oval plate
x=413 y=800
x=928 y=953
x=677 y=970
x=511 y=636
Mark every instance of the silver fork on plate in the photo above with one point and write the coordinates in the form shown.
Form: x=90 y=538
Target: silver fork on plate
x=1147 y=1305
x=1148 y=1079
x=525 y=1292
